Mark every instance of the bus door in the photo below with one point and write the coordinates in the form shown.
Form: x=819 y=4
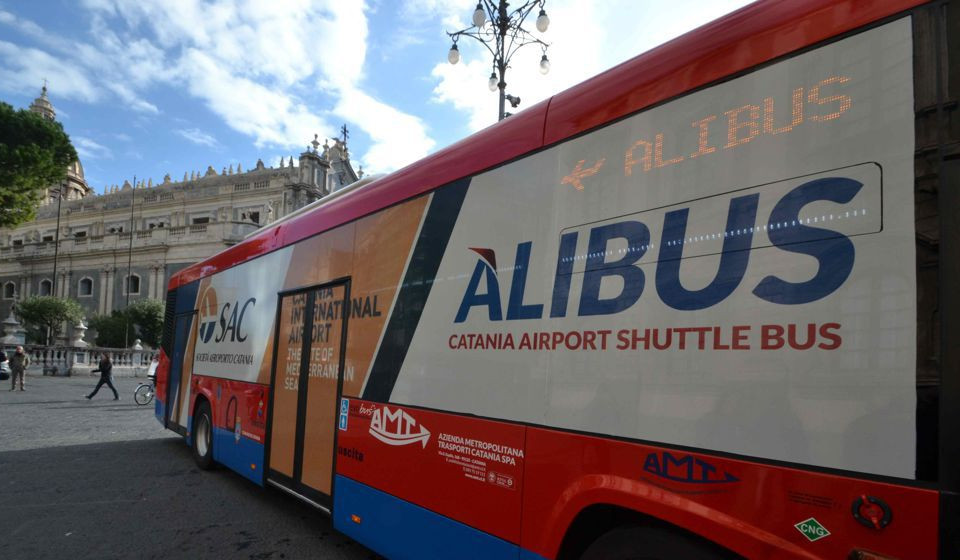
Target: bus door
x=181 y=337
x=305 y=389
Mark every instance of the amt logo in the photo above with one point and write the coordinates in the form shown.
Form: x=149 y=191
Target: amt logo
x=397 y=427
x=686 y=469
x=832 y=250
x=228 y=324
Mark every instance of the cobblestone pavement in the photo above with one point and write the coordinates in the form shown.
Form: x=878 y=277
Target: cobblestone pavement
x=102 y=479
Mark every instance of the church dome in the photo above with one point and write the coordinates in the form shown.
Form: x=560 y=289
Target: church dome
x=76 y=170
x=42 y=106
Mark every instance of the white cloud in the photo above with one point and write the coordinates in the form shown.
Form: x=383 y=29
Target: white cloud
x=23 y=70
x=398 y=138
x=252 y=62
x=90 y=149
x=24 y=26
x=198 y=137
x=111 y=64
x=271 y=117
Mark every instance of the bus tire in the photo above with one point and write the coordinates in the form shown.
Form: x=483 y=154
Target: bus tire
x=203 y=436
x=647 y=543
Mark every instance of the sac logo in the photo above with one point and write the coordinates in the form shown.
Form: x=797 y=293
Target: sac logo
x=833 y=251
x=222 y=324
x=397 y=427
x=208 y=314
x=685 y=469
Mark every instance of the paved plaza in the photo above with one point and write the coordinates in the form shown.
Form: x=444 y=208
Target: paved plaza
x=102 y=479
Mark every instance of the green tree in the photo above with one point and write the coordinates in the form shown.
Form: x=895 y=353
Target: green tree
x=142 y=319
x=46 y=314
x=34 y=154
x=112 y=330
x=146 y=315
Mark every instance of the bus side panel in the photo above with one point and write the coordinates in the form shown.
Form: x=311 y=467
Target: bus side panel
x=750 y=508
x=676 y=297
x=239 y=422
x=169 y=371
x=466 y=469
x=400 y=529
x=160 y=391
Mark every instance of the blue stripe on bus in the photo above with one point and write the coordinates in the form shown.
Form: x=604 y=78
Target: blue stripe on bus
x=245 y=456
x=398 y=529
x=158 y=409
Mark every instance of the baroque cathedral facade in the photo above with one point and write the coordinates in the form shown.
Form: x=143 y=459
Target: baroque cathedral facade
x=105 y=250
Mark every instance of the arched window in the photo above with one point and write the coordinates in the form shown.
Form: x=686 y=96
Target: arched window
x=46 y=287
x=9 y=290
x=85 y=287
x=133 y=284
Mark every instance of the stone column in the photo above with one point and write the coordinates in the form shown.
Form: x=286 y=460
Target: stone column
x=161 y=282
x=64 y=289
x=111 y=276
x=102 y=305
x=154 y=282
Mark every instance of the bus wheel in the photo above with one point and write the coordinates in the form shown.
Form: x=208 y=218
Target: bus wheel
x=647 y=543
x=203 y=437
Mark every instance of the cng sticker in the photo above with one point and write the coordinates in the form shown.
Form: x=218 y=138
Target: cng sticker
x=812 y=529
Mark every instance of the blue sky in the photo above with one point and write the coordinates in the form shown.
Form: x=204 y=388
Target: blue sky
x=149 y=87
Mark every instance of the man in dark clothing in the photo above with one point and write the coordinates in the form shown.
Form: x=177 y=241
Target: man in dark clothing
x=105 y=367
x=18 y=365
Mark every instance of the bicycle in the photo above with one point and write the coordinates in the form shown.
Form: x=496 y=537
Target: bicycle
x=144 y=392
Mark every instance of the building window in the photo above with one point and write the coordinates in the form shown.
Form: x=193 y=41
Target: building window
x=79 y=234
x=85 y=287
x=250 y=216
x=9 y=290
x=132 y=285
x=46 y=287
x=17 y=242
x=200 y=220
x=48 y=239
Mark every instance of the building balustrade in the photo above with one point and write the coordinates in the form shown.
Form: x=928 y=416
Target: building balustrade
x=230 y=231
x=75 y=360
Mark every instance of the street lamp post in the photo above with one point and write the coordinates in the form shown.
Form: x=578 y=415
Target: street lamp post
x=56 y=251
x=126 y=283
x=501 y=31
x=56 y=240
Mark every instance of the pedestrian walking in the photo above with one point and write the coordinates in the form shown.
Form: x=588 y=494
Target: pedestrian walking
x=18 y=365
x=105 y=368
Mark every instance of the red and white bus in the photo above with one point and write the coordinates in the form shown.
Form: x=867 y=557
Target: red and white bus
x=702 y=305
